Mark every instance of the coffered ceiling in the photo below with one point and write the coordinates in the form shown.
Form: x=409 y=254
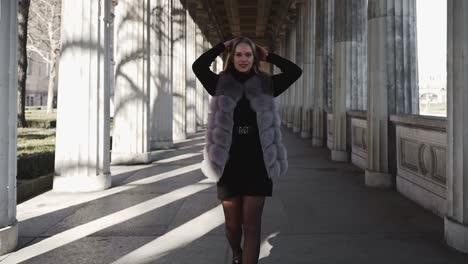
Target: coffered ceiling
x=261 y=20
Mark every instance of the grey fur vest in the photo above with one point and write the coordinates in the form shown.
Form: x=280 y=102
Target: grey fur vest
x=218 y=137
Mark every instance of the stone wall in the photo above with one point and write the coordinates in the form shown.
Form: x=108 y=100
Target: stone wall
x=358 y=139
x=421 y=144
x=421 y=155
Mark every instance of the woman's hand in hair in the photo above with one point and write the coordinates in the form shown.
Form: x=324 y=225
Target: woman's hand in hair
x=262 y=52
x=227 y=44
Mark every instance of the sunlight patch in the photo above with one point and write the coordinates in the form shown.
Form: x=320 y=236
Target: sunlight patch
x=265 y=247
x=102 y=223
x=177 y=238
x=179 y=157
x=63 y=201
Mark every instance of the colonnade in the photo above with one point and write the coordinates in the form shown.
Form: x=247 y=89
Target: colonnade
x=350 y=62
x=336 y=74
x=364 y=59
x=157 y=100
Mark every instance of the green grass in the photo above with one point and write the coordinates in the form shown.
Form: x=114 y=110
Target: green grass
x=435 y=109
x=40 y=115
x=35 y=140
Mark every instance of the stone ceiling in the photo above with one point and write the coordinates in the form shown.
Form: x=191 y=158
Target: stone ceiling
x=261 y=20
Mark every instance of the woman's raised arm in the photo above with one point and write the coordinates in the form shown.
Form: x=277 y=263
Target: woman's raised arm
x=290 y=72
x=201 y=68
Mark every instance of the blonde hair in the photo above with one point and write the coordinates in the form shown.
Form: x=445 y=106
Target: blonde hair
x=229 y=64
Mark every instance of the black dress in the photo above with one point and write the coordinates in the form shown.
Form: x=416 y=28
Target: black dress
x=245 y=172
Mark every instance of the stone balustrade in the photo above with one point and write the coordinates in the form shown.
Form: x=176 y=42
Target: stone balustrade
x=421 y=156
x=358 y=138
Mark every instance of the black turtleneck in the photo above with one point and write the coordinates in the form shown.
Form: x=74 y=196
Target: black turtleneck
x=243 y=113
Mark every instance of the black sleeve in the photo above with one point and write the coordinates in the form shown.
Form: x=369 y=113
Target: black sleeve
x=201 y=68
x=290 y=72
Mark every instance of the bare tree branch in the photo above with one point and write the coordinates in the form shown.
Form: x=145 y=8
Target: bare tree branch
x=44 y=38
x=39 y=53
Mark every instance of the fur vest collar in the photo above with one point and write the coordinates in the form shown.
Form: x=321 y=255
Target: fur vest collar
x=218 y=137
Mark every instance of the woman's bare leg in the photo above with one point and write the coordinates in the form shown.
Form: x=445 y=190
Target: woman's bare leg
x=252 y=209
x=233 y=223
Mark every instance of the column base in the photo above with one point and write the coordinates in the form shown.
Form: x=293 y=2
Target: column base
x=130 y=158
x=289 y=125
x=305 y=134
x=178 y=137
x=456 y=234
x=162 y=144
x=378 y=179
x=8 y=239
x=296 y=129
x=191 y=131
x=339 y=155
x=82 y=183
x=317 y=142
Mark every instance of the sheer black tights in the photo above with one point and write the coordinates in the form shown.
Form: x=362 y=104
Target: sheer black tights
x=244 y=213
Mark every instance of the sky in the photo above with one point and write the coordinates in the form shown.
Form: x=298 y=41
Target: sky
x=432 y=42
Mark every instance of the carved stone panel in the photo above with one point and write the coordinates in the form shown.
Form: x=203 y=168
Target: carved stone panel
x=329 y=130
x=420 y=152
x=359 y=142
x=421 y=163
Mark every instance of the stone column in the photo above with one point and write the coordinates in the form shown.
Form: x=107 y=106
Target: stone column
x=199 y=88
x=356 y=93
x=111 y=50
x=349 y=62
x=83 y=109
x=392 y=81
x=289 y=92
x=161 y=88
x=8 y=131
x=308 y=74
x=319 y=81
x=456 y=219
x=299 y=59
x=328 y=47
x=206 y=96
x=141 y=84
x=178 y=39
x=284 y=96
x=190 y=117
x=278 y=50
x=292 y=90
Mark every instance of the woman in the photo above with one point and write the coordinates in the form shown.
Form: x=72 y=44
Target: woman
x=243 y=140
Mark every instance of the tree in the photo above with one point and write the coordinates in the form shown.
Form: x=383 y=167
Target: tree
x=44 y=39
x=427 y=99
x=23 y=15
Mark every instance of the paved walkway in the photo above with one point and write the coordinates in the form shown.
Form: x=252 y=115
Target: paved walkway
x=166 y=212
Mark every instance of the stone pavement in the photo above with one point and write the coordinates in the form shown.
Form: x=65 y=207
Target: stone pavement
x=166 y=212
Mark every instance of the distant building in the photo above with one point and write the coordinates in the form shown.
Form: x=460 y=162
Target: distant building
x=37 y=82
